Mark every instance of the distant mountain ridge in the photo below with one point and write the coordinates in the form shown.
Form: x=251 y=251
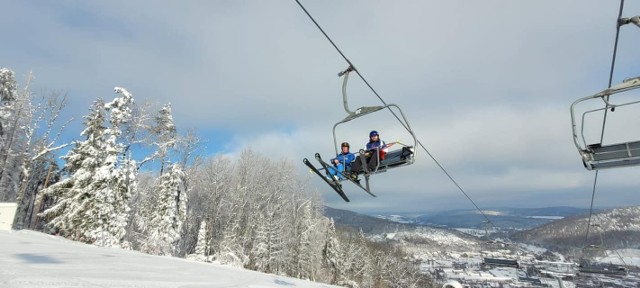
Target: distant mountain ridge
x=504 y=218
x=368 y=224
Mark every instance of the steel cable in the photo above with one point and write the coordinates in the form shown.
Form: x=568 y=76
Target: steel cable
x=395 y=115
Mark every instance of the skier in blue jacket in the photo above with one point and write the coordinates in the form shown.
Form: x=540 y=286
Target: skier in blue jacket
x=342 y=162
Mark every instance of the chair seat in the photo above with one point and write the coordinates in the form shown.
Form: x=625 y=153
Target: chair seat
x=397 y=157
x=598 y=156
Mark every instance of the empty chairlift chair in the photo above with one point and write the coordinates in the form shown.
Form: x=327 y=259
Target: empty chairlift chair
x=598 y=155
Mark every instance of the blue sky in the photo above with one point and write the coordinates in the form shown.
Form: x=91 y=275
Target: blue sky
x=486 y=85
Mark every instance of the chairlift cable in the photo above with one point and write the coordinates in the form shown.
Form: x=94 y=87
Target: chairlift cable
x=394 y=114
x=621 y=259
x=604 y=119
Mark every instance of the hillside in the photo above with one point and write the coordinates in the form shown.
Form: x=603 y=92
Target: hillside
x=418 y=237
x=368 y=224
x=610 y=229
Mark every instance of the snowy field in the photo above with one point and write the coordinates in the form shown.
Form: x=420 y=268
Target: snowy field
x=32 y=259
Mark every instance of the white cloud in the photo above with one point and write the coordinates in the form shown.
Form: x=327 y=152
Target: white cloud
x=486 y=86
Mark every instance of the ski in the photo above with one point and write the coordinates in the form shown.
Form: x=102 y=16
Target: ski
x=334 y=184
x=325 y=165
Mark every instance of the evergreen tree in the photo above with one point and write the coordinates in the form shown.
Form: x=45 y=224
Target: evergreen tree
x=92 y=203
x=166 y=132
x=169 y=213
x=68 y=216
x=12 y=110
x=362 y=265
x=306 y=252
x=331 y=253
x=8 y=97
x=202 y=247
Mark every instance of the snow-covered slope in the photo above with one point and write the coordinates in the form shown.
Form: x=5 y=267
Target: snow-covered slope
x=33 y=259
x=616 y=228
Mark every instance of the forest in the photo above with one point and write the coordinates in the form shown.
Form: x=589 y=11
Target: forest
x=131 y=179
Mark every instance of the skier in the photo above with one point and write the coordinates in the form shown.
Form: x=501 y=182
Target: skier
x=342 y=162
x=374 y=153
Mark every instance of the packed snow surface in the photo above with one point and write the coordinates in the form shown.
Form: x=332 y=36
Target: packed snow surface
x=32 y=259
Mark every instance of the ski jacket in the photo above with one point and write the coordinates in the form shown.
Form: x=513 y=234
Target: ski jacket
x=375 y=145
x=345 y=158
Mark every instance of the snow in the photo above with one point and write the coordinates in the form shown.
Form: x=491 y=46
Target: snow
x=491 y=213
x=33 y=259
x=546 y=217
x=630 y=257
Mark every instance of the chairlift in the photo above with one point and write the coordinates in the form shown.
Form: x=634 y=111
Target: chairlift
x=500 y=262
x=586 y=267
x=488 y=261
x=598 y=155
x=401 y=154
x=589 y=266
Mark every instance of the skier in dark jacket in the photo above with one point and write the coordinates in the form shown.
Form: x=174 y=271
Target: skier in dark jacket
x=375 y=148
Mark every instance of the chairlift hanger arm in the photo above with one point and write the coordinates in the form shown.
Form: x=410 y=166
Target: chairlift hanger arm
x=633 y=20
x=365 y=110
x=345 y=79
x=627 y=84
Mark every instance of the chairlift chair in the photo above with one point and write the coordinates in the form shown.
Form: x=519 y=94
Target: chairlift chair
x=398 y=157
x=598 y=155
x=589 y=266
x=403 y=156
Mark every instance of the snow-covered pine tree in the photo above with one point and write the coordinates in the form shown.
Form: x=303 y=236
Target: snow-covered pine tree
x=165 y=225
x=8 y=97
x=201 y=252
x=306 y=250
x=331 y=253
x=362 y=266
x=166 y=132
x=72 y=195
x=124 y=184
x=125 y=175
x=92 y=203
x=12 y=110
